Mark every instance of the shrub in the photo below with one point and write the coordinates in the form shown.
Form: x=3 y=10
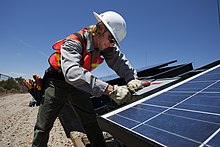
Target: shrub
x=2 y=90
x=12 y=85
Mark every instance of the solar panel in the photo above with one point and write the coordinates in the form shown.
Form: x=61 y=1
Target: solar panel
x=185 y=114
x=157 y=66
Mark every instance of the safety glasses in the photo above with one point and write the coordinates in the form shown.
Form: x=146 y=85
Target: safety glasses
x=111 y=39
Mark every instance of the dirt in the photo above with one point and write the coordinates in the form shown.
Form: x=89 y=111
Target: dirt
x=17 y=122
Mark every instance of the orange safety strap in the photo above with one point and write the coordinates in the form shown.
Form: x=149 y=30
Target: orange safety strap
x=54 y=60
x=88 y=63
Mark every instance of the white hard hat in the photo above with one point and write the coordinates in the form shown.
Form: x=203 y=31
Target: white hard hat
x=114 y=23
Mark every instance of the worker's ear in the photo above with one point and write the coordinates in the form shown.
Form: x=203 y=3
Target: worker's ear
x=101 y=25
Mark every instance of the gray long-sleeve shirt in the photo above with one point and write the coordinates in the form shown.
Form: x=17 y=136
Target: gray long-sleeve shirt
x=76 y=75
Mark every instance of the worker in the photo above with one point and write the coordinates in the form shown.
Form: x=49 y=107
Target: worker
x=69 y=76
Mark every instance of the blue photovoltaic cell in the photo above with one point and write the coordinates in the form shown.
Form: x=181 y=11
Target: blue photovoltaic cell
x=215 y=141
x=150 y=108
x=205 y=99
x=164 y=137
x=186 y=115
x=134 y=116
x=212 y=76
x=168 y=99
x=193 y=86
x=123 y=121
x=203 y=102
x=209 y=77
x=206 y=108
x=213 y=119
x=178 y=125
x=139 y=115
x=214 y=88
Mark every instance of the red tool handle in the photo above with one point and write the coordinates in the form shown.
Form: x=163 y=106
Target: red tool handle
x=148 y=83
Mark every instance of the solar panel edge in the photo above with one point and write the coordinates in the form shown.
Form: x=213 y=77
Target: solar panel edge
x=158 y=93
x=107 y=116
x=139 y=137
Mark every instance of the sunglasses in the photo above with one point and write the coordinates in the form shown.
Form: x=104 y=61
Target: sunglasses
x=111 y=39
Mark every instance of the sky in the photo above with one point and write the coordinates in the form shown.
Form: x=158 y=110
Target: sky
x=158 y=31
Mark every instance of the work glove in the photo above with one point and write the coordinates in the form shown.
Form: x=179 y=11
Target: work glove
x=35 y=88
x=134 y=85
x=120 y=94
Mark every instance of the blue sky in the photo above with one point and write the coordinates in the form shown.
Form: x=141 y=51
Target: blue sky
x=158 y=31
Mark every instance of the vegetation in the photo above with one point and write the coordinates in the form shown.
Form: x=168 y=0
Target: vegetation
x=12 y=85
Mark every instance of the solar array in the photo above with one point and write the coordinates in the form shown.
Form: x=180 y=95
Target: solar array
x=185 y=114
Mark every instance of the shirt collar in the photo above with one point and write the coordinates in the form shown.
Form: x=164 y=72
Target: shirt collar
x=90 y=44
x=89 y=41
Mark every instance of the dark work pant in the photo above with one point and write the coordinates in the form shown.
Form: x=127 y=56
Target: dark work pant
x=56 y=95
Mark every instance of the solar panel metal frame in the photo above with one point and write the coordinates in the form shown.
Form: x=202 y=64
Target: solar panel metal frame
x=130 y=137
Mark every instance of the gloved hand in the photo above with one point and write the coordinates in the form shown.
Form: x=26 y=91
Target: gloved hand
x=35 y=88
x=134 y=85
x=120 y=94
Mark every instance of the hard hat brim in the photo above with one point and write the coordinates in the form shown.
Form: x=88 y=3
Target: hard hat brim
x=99 y=19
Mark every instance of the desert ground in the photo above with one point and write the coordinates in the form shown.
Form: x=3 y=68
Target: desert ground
x=18 y=120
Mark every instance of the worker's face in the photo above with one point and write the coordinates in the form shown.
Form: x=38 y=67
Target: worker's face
x=105 y=39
